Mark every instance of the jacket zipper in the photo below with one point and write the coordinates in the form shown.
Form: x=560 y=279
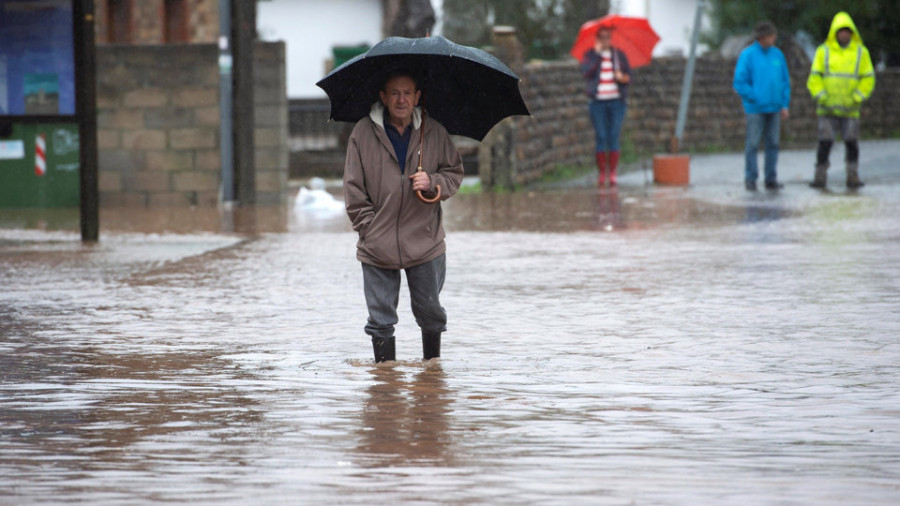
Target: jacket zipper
x=403 y=181
x=399 y=214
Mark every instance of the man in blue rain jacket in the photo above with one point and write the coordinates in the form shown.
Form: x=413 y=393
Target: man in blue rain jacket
x=761 y=79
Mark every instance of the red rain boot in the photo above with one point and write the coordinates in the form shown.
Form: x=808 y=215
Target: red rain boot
x=613 y=165
x=601 y=169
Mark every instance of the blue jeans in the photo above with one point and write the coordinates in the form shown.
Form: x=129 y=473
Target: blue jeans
x=607 y=116
x=382 y=290
x=759 y=125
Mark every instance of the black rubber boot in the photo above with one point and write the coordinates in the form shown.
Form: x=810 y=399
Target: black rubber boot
x=853 y=180
x=431 y=344
x=385 y=349
x=821 y=177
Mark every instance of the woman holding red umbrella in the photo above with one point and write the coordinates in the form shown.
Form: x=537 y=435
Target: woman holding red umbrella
x=607 y=74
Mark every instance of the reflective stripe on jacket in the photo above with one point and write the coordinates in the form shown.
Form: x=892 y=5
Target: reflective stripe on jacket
x=841 y=78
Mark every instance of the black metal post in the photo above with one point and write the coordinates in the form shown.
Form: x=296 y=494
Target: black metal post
x=86 y=112
x=243 y=36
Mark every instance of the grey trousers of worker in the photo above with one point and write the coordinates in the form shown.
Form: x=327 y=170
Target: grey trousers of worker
x=382 y=290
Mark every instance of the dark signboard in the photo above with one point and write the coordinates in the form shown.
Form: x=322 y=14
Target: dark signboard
x=37 y=58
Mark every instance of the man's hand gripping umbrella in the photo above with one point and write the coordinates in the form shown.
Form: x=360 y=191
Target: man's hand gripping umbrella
x=421 y=178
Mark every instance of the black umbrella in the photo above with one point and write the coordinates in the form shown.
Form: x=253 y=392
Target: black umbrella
x=466 y=89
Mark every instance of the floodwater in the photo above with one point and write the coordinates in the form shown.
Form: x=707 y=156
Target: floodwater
x=645 y=345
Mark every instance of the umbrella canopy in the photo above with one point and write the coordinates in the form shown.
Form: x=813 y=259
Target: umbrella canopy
x=466 y=89
x=634 y=36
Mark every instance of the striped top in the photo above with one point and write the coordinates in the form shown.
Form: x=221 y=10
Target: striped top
x=607 y=89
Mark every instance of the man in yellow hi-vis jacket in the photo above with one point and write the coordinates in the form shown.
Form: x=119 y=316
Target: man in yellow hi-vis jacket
x=841 y=78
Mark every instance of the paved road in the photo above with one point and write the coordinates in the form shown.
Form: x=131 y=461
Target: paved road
x=879 y=165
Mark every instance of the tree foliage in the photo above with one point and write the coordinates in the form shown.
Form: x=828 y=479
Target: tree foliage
x=878 y=21
x=546 y=28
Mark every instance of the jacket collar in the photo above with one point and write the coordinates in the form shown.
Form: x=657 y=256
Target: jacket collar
x=377 y=115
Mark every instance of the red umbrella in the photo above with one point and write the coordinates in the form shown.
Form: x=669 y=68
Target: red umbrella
x=634 y=36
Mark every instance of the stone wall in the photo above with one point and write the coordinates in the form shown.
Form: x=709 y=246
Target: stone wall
x=559 y=133
x=272 y=154
x=158 y=124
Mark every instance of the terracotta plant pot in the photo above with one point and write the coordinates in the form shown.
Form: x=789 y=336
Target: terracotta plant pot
x=671 y=169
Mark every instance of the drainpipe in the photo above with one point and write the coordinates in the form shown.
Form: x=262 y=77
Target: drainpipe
x=226 y=104
x=688 y=79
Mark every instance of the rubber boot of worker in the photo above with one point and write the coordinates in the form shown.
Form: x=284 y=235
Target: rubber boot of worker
x=821 y=177
x=601 y=168
x=431 y=345
x=853 y=180
x=385 y=349
x=613 y=165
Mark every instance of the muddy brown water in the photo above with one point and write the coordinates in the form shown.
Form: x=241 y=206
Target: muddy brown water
x=639 y=346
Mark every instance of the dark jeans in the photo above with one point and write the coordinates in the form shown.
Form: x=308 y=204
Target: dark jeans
x=607 y=117
x=382 y=289
x=766 y=125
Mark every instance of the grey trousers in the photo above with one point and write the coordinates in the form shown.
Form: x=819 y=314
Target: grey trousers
x=382 y=290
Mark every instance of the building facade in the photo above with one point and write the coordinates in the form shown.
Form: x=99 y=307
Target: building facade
x=146 y=22
x=673 y=21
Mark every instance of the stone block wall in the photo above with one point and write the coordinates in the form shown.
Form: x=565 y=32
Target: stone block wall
x=559 y=133
x=271 y=157
x=521 y=149
x=158 y=124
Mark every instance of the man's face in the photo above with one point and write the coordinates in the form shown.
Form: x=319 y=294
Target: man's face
x=400 y=97
x=844 y=35
x=768 y=41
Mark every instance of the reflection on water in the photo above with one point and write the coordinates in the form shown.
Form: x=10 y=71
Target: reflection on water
x=174 y=220
x=609 y=210
x=405 y=421
x=625 y=346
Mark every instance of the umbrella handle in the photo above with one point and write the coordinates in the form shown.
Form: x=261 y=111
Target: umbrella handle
x=437 y=187
x=423 y=198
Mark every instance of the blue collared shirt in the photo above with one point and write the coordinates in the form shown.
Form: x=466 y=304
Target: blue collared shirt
x=399 y=141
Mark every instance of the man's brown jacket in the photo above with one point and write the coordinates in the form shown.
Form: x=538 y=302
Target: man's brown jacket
x=396 y=229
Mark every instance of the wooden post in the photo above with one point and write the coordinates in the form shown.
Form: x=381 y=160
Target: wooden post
x=86 y=113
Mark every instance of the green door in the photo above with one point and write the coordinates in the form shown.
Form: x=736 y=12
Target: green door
x=39 y=166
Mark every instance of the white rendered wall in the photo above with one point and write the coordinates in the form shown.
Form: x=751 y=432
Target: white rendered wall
x=310 y=28
x=673 y=21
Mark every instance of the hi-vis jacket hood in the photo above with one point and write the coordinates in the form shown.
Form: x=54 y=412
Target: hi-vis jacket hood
x=396 y=230
x=841 y=78
x=842 y=20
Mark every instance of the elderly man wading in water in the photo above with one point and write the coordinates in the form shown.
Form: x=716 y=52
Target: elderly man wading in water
x=398 y=231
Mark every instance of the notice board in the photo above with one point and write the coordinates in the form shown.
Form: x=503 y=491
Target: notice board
x=39 y=166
